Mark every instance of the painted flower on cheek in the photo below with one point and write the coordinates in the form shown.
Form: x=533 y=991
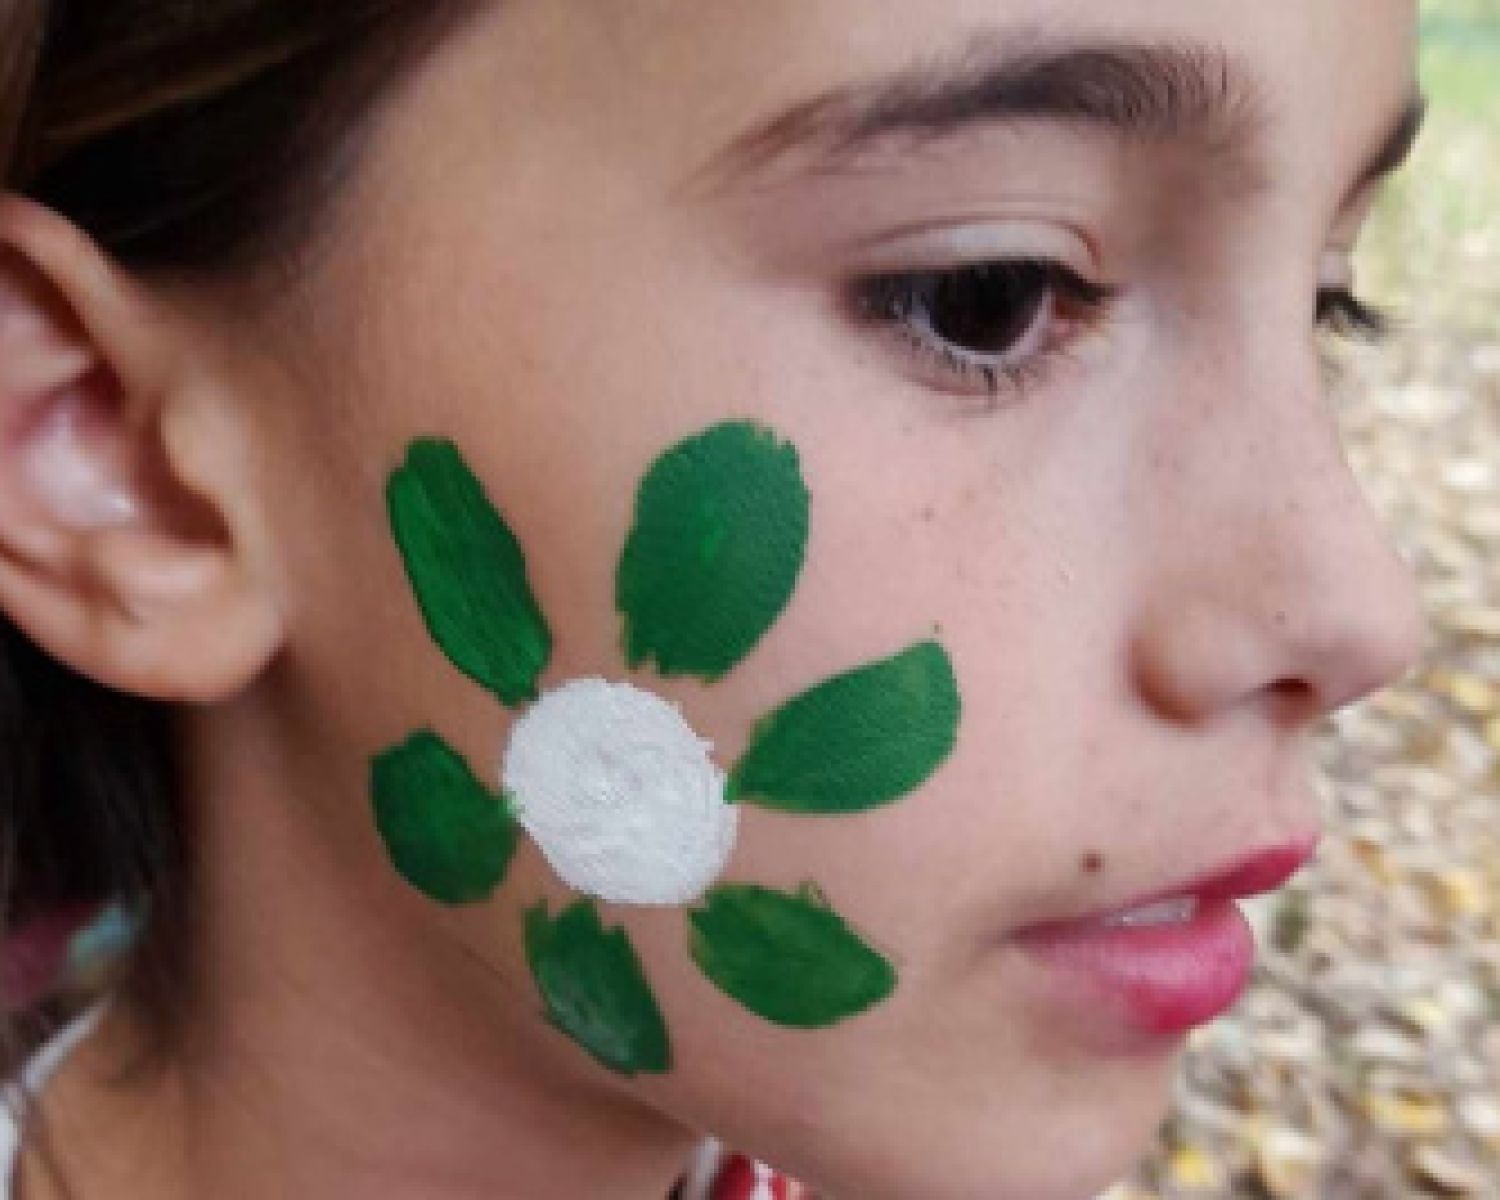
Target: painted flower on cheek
x=621 y=796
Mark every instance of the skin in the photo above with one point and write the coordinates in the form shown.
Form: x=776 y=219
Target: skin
x=1152 y=570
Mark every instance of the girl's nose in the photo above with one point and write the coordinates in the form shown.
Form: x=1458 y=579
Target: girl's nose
x=1271 y=577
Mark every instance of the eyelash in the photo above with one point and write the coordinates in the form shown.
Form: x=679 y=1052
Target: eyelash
x=1034 y=290
x=1343 y=314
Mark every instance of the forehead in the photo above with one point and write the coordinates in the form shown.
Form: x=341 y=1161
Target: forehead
x=689 y=76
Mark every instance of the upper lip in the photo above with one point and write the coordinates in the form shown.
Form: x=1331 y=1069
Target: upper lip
x=1250 y=873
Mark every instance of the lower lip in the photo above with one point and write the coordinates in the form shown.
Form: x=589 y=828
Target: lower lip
x=1163 y=979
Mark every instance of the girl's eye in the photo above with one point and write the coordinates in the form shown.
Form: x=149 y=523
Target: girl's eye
x=999 y=325
x=994 y=325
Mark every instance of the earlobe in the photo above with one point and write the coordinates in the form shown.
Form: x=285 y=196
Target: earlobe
x=109 y=559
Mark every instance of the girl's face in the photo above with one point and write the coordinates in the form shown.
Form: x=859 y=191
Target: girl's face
x=1032 y=290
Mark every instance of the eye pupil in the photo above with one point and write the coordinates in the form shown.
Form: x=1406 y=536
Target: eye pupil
x=986 y=309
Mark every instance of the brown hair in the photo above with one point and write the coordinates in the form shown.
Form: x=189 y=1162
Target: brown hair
x=195 y=139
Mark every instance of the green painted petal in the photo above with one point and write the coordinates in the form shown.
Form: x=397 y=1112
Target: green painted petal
x=595 y=989
x=447 y=835
x=468 y=572
x=787 y=958
x=856 y=742
x=719 y=540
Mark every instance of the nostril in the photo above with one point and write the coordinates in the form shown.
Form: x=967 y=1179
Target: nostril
x=1294 y=701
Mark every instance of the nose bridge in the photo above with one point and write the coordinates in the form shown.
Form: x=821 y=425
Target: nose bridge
x=1281 y=573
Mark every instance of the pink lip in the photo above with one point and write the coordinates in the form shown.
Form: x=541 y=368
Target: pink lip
x=1166 y=979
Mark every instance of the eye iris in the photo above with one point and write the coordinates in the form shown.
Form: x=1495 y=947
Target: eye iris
x=986 y=309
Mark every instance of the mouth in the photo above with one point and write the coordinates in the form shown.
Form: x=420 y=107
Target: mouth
x=1170 y=960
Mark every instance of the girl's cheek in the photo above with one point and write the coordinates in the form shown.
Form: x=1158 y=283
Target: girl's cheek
x=624 y=797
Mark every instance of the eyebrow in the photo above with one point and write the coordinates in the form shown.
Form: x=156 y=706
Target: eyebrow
x=1140 y=92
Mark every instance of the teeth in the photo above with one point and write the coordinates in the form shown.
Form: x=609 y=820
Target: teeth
x=1167 y=912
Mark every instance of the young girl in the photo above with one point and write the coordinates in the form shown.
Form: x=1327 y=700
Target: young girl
x=596 y=575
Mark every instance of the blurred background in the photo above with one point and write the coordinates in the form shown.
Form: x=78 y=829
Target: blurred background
x=1365 y=1063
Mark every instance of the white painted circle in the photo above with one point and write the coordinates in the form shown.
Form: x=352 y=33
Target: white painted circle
x=620 y=794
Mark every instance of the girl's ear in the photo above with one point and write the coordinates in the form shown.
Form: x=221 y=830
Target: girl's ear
x=128 y=525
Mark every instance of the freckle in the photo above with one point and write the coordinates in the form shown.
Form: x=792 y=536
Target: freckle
x=929 y=514
x=1093 y=863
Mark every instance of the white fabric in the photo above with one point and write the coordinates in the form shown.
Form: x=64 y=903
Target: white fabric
x=704 y=1173
x=33 y=1079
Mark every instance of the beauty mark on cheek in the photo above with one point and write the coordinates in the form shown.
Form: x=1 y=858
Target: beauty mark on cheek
x=621 y=796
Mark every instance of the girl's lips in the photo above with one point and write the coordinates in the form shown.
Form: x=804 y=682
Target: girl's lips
x=1163 y=979
x=1184 y=964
